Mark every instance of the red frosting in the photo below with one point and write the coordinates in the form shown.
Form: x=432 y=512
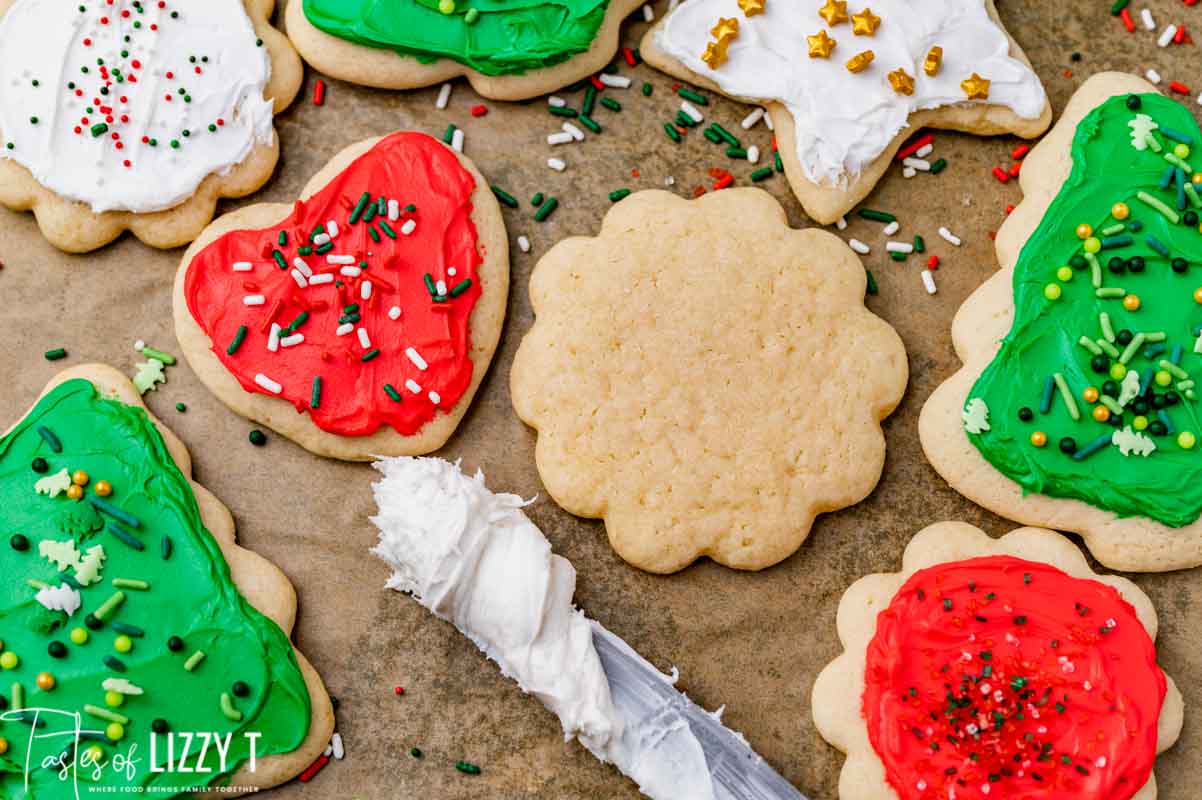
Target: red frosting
x=356 y=396
x=1003 y=678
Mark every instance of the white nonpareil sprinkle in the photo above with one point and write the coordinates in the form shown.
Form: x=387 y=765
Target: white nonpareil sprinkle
x=300 y=264
x=318 y=280
x=251 y=300
x=1153 y=76
x=949 y=237
x=340 y=258
x=394 y=313
x=452 y=271
x=413 y=386
x=416 y=358
x=1146 y=16
x=444 y=96
x=321 y=238
x=928 y=280
x=394 y=210
x=557 y=164
x=918 y=163
x=573 y=131
x=364 y=339
x=351 y=272
x=338 y=747
x=909 y=172
x=899 y=247
x=299 y=278
x=365 y=291
x=139 y=345
x=560 y=137
x=691 y=111
x=409 y=227
x=892 y=228
x=669 y=181
x=243 y=266
x=1200 y=99
x=273 y=338
x=556 y=102
x=267 y=383
x=344 y=329
x=1166 y=36
x=841 y=223
x=648 y=14
x=457 y=140
x=615 y=81
x=293 y=340
x=332 y=229
x=435 y=397
x=859 y=247
x=751 y=119
x=524 y=244
x=753 y=154
x=925 y=150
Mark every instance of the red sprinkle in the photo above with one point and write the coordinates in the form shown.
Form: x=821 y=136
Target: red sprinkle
x=597 y=83
x=314 y=768
x=1016 y=168
x=480 y=110
x=319 y=93
x=933 y=263
x=1128 y=23
x=724 y=181
x=1009 y=209
x=400 y=690
x=1001 y=175
x=628 y=54
x=1020 y=152
x=1178 y=87
x=1179 y=36
x=916 y=145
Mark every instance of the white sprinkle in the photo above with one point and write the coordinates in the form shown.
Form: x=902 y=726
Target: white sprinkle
x=318 y=280
x=416 y=358
x=561 y=137
x=435 y=397
x=918 y=163
x=332 y=229
x=524 y=244
x=413 y=386
x=268 y=384
x=364 y=339
x=909 y=172
x=243 y=266
x=249 y=300
x=751 y=119
x=1200 y=99
x=1166 y=36
x=949 y=237
x=575 y=132
x=444 y=96
x=344 y=329
x=351 y=272
x=859 y=247
x=557 y=164
x=892 y=228
x=300 y=264
x=1149 y=23
x=669 y=181
x=293 y=340
x=1153 y=76
x=1101 y=762
x=753 y=154
x=925 y=150
x=768 y=121
x=409 y=227
x=452 y=271
x=615 y=81
x=457 y=140
x=139 y=345
x=299 y=278
x=441 y=287
x=556 y=102
x=365 y=291
x=329 y=751
x=899 y=247
x=394 y=210
x=338 y=747
x=648 y=14
x=321 y=238
x=340 y=258
x=394 y=313
x=928 y=280
x=841 y=223
x=691 y=111
x=273 y=338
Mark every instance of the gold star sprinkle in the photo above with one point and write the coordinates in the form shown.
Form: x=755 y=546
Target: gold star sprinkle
x=714 y=55
x=933 y=62
x=901 y=81
x=726 y=30
x=860 y=62
x=976 y=87
x=821 y=45
x=834 y=12
x=865 y=23
x=751 y=7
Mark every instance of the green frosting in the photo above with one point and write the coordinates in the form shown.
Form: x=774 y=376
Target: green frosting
x=1164 y=483
x=190 y=595
x=503 y=37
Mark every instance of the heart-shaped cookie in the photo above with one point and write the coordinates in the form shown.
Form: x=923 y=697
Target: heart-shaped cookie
x=360 y=320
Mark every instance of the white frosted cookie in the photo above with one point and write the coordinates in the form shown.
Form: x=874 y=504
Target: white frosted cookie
x=847 y=84
x=705 y=378
x=118 y=115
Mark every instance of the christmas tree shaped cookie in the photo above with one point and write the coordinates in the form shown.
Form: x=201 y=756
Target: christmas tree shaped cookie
x=136 y=115
x=1077 y=406
x=508 y=49
x=129 y=616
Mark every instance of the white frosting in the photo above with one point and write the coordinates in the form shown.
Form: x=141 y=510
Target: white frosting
x=845 y=121
x=44 y=41
x=474 y=559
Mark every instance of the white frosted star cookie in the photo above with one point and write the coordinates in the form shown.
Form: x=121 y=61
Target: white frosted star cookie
x=124 y=115
x=847 y=84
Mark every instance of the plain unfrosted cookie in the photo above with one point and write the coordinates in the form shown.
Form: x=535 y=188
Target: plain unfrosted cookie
x=706 y=379
x=384 y=67
x=137 y=116
x=96 y=485
x=1021 y=648
x=359 y=321
x=838 y=130
x=1126 y=486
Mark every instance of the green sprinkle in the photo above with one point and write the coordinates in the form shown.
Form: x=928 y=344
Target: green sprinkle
x=876 y=216
x=898 y=256
x=105 y=507
x=1110 y=293
x=673 y=134
x=1089 y=345
x=1133 y=348
x=236 y=342
x=315 y=395
x=467 y=768
x=618 y=194
x=537 y=199
x=106 y=608
x=711 y=135
x=257 y=437
x=194 y=661
x=761 y=174
x=1174 y=370
x=391 y=391
x=1111 y=404
x=227 y=702
x=159 y=355
x=18 y=697
x=99 y=129
x=777 y=162
x=589 y=123
x=461 y=287
x=872 y=287
x=938 y=166
x=283 y=238
x=1095 y=270
x=1066 y=395
x=611 y=104
x=105 y=714
x=361 y=206
x=471 y=16
x=1118 y=7
x=590 y=101
x=430 y=287
x=130 y=583
x=647 y=89
x=280 y=261
x=55 y=354
x=180 y=407
x=505 y=197
x=1082 y=454
x=726 y=135
x=736 y=152
x=370 y=354
x=693 y=97
x=449 y=134
x=920 y=246
x=1107 y=327
x=1160 y=206
x=375 y=234
x=545 y=209
x=1107 y=348
x=51 y=440
x=415 y=752
x=563 y=111
x=165 y=546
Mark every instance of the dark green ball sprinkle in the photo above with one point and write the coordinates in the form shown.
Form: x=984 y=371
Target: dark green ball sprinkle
x=413 y=751
x=39 y=465
x=1171 y=398
x=1157 y=428
x=159 y=725
x=1068 y=445
x=1133 y=102
x=1124 y=337
x=1078 y=262
x=1110 y=389
x=175 y=644
x=33 y=120
x=93 y=623
x=19 y=542
x=57 y=650
x=1099 y=364
x=257 y=438
x=1180 y=265
x=180 y=407
x=1136 y=264
x=240 y=689
x=467 y=768
x=1025 y=414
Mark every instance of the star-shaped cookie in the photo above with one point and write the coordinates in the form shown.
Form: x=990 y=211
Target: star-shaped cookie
x=938 y=64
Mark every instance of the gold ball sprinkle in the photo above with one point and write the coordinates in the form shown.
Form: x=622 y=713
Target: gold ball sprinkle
x=80 y=478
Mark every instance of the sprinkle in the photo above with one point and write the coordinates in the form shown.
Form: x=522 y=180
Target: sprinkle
x=119 y=514
x=105 y=714
x=615 y=81
x=918 y=164
x=1166 y=36
x=299 y=278
x=859 y=247
x=505 y=197
x=293 y=340
x=562 y=137
x=338 y=747
x=1149 y=22
x=949 y=237
x=267 y=383
x=938 y=166
x=51 y=440
x=242 y=266
x=928 y=280
x=1152 y=75
x=899 y=247
x=314 y=768
x=55 y=354
x=391 y=391
x=1093 y=447
x=557 y=164
x=413 y=386
x=125 y=536
x=444 y=96
x=1045 y=400
x=457 y=140
x=254 y=300
x=273 y=338
x=105 y=609
x=319 y=92
x=114 y=663
x=752 y=119
x=228 y=709
x=892 y=228
x=394 y=313
x=130 y=583
x=524 y=244
x=1089 y=345
x=544 y=211
x=194 y=661
x=691 y=111
x=573 y=131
